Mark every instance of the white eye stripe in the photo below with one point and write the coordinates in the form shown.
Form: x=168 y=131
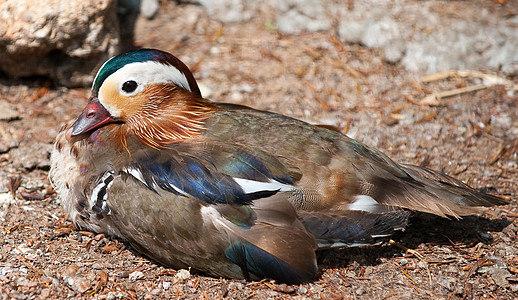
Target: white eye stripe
x=150 y=72
x=143 y=73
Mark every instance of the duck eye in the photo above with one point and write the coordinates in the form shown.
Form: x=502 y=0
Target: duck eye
x=129 y=86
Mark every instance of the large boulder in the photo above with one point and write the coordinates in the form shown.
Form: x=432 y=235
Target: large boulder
x=63 y=40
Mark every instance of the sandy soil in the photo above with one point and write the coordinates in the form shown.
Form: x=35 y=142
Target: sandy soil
x=472 y=136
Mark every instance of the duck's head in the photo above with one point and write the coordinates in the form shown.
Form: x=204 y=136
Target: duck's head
x=148 y=93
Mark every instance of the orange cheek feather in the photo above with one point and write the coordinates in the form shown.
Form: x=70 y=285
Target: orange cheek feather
x=160 y=115
x=116 y=103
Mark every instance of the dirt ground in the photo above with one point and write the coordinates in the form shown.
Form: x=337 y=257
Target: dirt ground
x=472 y=136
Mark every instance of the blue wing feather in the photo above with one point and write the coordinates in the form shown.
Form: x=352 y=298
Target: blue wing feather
x=252 y=259
x=255 y=165
x=202 y=180
x=244 y=165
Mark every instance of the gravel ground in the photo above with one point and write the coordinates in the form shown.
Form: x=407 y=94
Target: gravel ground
x=312 y=76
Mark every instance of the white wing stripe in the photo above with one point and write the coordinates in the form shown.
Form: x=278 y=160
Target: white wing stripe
x=252 y=186
x=364 y=203
x=137 y=174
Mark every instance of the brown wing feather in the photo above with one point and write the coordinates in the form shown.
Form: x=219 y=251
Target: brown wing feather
x=424 y=190
x=335 y=168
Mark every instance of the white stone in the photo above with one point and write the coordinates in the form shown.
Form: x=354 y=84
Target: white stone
x=134 y=276
x=231 y=11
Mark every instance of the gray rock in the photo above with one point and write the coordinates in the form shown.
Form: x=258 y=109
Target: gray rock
x=231 y=11
x=149 y=8
x=63 y=40
x=7 y=111
x=415 y=34
x=297 y=16
x=447 y=282
x=379 y=29
x=293 y=22
x=31 y=155
x=424 y=40
x=500 y=276
x=360 y=291
x=292 y=16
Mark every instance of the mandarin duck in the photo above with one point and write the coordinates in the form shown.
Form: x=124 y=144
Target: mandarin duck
x=225 y=189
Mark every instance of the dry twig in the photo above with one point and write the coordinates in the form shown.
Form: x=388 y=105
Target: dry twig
x=434 y=99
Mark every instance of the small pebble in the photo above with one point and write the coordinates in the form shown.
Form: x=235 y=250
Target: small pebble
x=288 y=289
x=155 y=292
x=76 y=280
x=485 y=235
x=181 y=275
x=421 y=265
x=97 y=266
x=149 y=8
x=45 y=293
x=245 y=88
x=235 y=285
x=136 y=275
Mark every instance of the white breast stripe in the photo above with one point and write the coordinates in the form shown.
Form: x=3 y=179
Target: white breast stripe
x=252 y=186
x=151 y=72
x=95 y=193
x=99 y=194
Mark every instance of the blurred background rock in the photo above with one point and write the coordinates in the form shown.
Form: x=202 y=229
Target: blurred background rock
x=62 y=40
x=67 y=41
